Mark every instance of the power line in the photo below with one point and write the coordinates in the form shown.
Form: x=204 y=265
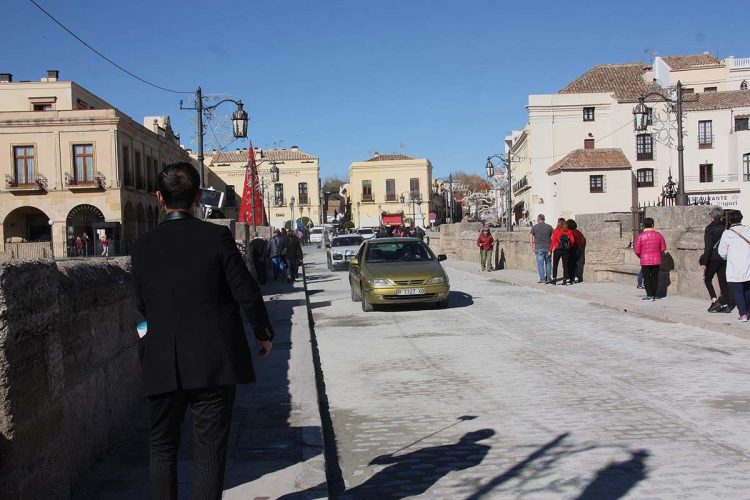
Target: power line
x=102 y=55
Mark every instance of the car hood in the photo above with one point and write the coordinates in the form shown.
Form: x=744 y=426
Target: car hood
x=404 y=270
x=347 y=249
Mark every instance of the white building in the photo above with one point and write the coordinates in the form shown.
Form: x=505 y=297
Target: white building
x=583 y=138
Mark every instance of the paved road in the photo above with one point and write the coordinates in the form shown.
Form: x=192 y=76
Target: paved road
x=514 y=393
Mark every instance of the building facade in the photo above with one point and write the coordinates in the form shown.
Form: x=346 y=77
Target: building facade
x=298 y=182
x=74 y=165
x=390 y=184
x=595 y=113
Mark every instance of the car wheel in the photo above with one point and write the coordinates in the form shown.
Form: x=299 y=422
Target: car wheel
x=442 y=304
x=329 y=264
x=354 y=295
x=366 y=306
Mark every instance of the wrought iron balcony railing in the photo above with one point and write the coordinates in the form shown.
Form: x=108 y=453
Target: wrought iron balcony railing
x=97 y=182
x=39 y=183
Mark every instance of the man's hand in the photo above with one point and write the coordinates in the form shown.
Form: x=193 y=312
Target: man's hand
x=265 y=347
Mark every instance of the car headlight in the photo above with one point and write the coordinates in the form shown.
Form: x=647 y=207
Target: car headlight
x=437 y=280
x=337 y=256
x=382 y=282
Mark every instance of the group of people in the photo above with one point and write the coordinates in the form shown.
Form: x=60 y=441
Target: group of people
x=78 y=246
x=283 y=253
x=564 y=243
x=400 y=232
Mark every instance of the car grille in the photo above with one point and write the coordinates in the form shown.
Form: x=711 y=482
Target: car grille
x=396 y=298
x=409 y=282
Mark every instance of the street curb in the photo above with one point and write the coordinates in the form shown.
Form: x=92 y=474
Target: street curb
x=637 y=310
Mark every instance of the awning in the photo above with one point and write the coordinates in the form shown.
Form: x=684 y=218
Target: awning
x=393 y=220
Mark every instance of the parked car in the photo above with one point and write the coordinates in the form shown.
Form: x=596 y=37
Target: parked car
x=366 y=232
x=397 y=271
x=316 y=234
x=342 y=249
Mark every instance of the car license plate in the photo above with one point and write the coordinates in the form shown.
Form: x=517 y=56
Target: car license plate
x=410 y=291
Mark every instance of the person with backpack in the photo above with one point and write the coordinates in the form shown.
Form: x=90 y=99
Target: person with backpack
x=577 y=253
x=714 y=265
x=734 y=247
x=560 y=247
x=486 y=243
x=649 y=248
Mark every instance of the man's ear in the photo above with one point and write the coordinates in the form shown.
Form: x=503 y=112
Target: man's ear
x=161 y=200
x=197 y=197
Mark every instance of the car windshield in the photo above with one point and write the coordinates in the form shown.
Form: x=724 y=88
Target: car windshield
x=398 y=251
x=347 y=241
x=316 y=230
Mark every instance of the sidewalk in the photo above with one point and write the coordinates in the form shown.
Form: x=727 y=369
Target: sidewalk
x=275 y=445
x=624 y=298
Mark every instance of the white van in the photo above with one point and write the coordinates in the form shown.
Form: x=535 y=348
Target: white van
x=316 y=234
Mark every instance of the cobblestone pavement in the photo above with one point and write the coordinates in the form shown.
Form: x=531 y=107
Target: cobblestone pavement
x=514 y=393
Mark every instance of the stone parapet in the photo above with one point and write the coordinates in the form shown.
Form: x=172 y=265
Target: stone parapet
x=69 y=370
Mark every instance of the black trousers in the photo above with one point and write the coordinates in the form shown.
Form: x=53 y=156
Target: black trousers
x=718 y=268
x=580 y=261
x=211 y=410
x=651 y=279
x=261 y=270
x=557 y=256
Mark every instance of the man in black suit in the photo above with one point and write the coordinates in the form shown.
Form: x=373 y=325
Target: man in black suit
x=191 y=284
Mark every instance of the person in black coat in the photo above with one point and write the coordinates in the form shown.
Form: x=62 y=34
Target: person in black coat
x=191 y=285
x=714 y=265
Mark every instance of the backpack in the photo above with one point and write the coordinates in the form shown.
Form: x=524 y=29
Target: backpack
x=564 y=243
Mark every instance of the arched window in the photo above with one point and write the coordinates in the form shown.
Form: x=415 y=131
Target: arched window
x=743 y=85
x=746 y=166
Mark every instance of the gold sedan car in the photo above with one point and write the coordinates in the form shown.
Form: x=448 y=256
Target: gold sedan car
x=397 y=271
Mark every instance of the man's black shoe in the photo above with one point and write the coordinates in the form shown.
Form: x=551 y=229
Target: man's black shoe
x=715 y=306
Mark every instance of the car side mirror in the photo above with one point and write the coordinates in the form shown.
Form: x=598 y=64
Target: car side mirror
x=442 y=257
x=353 y=262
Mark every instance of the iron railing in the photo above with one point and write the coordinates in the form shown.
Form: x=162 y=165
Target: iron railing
x=39 y=182
x=97 y=182
x=35 y=250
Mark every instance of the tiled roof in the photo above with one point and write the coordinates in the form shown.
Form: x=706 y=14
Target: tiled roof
x=268 y=154
x=719 y=100
x=391 y=157
x=694 y=61
x=625 y=81
x=227 y=156
x=591 y=159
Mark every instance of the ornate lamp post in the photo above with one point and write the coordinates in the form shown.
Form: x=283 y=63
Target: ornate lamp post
x=239 y=124
x=291 y=213
x=490 y=168
x=642 y=117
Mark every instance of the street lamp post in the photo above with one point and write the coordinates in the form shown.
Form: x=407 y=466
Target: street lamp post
x=490 y=168
x=642 y=116
x=291 y=212
x=239 y=127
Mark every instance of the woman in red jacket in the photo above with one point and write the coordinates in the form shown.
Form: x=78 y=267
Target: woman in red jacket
x=486 y=243
x=649 y=247
x=562 y=243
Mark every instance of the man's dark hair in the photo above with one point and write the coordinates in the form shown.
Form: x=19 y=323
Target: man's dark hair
x=572 y=224
x=648 y=222
x=734 y=216
x=178 y=184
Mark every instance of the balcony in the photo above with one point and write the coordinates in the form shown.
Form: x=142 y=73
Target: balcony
x=74 y=184
x=522 y=184
x=711 y=178
x=368 y=198
x=38 y=185
x=705 y=141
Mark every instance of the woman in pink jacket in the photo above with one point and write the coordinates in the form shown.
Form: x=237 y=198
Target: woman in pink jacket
x=650 y=246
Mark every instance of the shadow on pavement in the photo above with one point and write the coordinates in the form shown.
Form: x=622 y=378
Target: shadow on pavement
x=618 y=478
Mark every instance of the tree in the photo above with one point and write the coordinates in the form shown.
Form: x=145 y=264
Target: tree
x=472 y=182
x=332 y=185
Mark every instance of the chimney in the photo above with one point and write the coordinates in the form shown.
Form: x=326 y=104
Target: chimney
x=6 y=78
x=52 y=75
x=295 y=148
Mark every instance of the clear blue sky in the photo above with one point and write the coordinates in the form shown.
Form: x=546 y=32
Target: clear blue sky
x=339 y=78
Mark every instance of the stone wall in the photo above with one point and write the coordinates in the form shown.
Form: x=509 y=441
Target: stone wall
x=69 y=370
x=609 y=252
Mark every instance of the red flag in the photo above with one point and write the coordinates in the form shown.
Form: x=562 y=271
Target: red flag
x=252 y=202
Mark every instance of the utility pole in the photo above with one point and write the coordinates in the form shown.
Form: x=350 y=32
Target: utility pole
x=199 y=108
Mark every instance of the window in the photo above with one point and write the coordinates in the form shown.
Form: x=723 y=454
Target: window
x=149 y=174
x=588 y=114
x=278 y=194
x=746 y=167
x=41 y=106
x=588 y=144
x=390 y=190
x=127 y=170
x=741 y=123
x=367 y=191
x=705 y=134
x=414 y=188
x=83 y=163
x=24 y=169
x=743 y=85
x=709 y=89
x=596 y=183
x=644 y=147
x=645 y=177
x=706 y=172
x=138 y=171
x=302 y=190
x=230 y=197
x=688 y=91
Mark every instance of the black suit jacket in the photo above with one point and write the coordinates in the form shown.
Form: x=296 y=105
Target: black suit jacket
x=190 y=283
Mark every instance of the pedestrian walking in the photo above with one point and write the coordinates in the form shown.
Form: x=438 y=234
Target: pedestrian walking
x=258 y=253
x=276 y=250
x=540 y=239
x=649 y=248
x=194 y=349
x=577 y=253
x=734 y=246
x=79 y=246
x=293 y=256
x=105 y=245
x=486 y=244
x=561 y=245
x=714 y=265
